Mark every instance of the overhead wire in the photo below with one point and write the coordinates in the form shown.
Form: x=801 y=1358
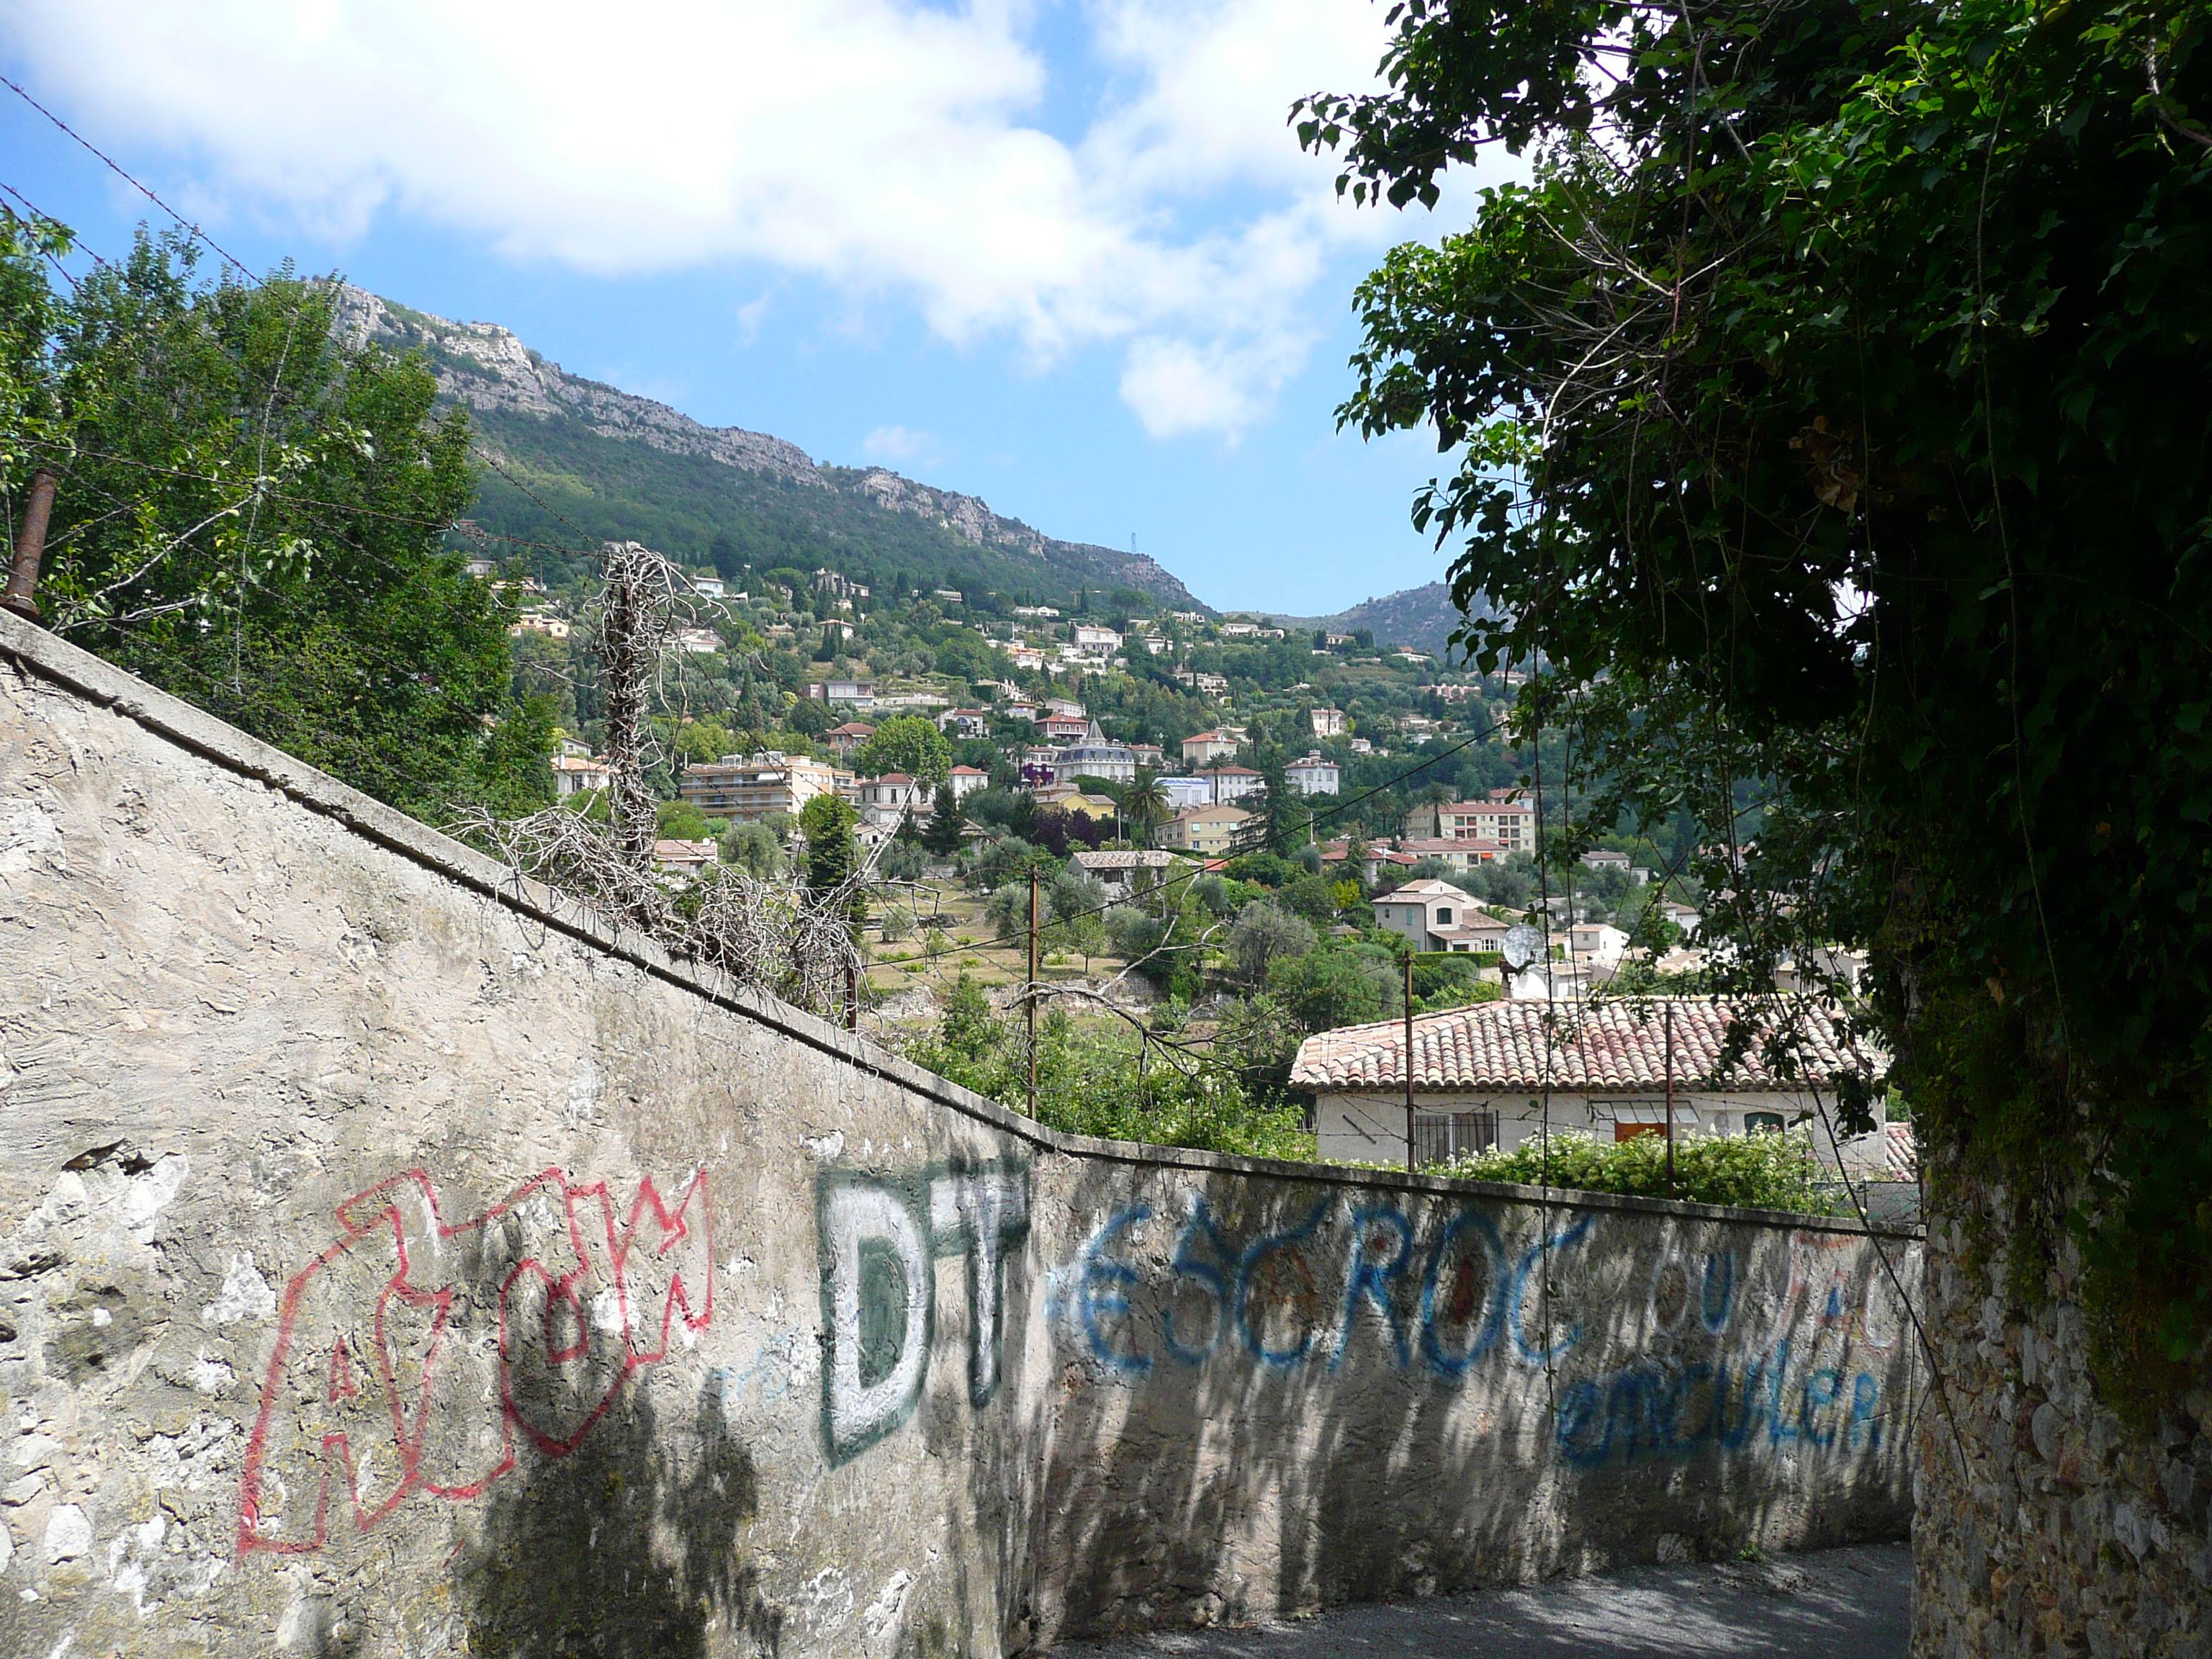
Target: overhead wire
x=197 y=233
x=192 y=229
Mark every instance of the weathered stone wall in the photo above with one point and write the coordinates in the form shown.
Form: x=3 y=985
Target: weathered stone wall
x=392 y=1262
x=2046 y=1525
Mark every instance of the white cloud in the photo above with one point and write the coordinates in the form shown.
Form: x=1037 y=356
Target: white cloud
x=884 y=146
x=897 y=446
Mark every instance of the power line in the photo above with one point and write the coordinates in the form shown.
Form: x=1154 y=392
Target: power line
x=474 y=534
x=118 y=170
x=193 y=230
x=1263 y=845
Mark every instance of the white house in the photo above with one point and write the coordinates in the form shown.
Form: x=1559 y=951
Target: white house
x=1328 y=722
x=1203 y=748
x=1094 y=757
x=861 y=694
x=1233 y=782
x=1421 y=909
x=966 y=780
x=1312 y=776
x=890 y=798
x=965 y=723
x=1497 y=1072
x=572 y=774
x=1598 y=942
x=1183 y=793
x=1091 y=639
x=1124 y=873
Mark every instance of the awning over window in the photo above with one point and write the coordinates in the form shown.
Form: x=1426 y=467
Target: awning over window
x=1641 y=1111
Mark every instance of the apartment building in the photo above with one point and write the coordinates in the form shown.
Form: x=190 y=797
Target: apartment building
x=747 y=788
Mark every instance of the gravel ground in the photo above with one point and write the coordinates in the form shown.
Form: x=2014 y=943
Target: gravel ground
x=1831 y=1604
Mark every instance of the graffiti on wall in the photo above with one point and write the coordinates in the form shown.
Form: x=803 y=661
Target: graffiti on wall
x=879 y=1238
x=413 y=1352
x=1302 y=1294
x=1444 y=1296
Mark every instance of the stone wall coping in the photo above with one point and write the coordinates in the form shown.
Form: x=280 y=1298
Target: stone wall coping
x=33 y=651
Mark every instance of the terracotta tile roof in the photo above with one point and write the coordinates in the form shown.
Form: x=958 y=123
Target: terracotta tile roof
x=1601 y=1046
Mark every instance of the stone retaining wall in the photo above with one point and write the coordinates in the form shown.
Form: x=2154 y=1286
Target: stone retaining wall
x=393 y=1262
x=2048 y=1524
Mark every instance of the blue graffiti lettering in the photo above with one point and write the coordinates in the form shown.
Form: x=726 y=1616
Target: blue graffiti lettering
x=1104 y=1294
x=1531 y=1261
x=1210 y=1280
x=1454 y=1304
x=1257 y=1257
x=1864 y=1427
x=1819 y=1393
x=1716 y=1299
x=1654 y=1409
x=1370 y=1279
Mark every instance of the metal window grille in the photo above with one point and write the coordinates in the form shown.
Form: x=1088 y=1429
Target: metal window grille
x=1439 y=1136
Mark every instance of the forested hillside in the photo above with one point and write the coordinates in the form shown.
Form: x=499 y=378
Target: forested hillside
x=589 y=463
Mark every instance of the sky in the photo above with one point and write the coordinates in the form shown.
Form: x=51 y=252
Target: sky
x=1065 y=255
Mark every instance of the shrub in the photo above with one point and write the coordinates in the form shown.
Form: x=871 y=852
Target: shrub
x=1768 y=1172
x=1094 y=1085
x=1264 y=934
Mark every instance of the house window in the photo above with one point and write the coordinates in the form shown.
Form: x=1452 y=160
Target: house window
x=1440 y=1135
x=1762 y=1123
x=1443 y=916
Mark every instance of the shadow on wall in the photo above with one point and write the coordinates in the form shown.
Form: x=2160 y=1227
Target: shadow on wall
x=1306 y=1396
x=626 y=1548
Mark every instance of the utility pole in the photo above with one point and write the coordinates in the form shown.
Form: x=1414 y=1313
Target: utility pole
x=1409 y=1062
x=1670 y=1096
x=1033 y=985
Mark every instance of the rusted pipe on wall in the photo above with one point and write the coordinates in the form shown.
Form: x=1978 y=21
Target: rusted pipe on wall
x=30 y=548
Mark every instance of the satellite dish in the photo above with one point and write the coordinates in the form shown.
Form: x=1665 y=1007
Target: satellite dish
x=1522 y=947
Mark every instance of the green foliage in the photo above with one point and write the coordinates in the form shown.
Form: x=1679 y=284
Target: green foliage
x=902 y=861
x=1004 y=858
x=754 y=849
x=908 y=744
x=1257 y=1038
x=1349 y=985
x=1266 y=933
x=679 y=820
x=1894 y=302
x=705 y=512
x=1093 y=1085
x=1766 y=1171
x=833 y=857
x=249 y=515
x=943 y=836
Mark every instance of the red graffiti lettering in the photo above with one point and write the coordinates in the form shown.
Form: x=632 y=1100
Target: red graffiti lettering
x=410 y=1350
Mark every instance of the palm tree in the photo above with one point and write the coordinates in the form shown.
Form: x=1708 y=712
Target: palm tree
x=1146 y=802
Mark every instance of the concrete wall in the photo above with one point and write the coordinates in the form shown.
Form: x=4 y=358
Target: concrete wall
x=392 y=1262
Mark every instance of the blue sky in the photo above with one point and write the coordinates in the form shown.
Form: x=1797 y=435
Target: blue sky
x=1066 y=257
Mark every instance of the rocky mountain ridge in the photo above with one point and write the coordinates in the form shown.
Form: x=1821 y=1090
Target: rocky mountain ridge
x=488 y=368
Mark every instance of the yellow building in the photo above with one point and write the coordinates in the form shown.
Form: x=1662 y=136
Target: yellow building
x=1208 y=830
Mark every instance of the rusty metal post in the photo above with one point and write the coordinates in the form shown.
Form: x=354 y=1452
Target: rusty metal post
x=852 y=997
x=1409 y=1062
x=30 y=547
x=1033 y=985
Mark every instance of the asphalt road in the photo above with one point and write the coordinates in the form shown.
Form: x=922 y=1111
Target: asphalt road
x=1831 y=1604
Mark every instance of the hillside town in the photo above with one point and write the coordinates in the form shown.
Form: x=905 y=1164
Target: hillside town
x=1319 y=813
x=1512 y=957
